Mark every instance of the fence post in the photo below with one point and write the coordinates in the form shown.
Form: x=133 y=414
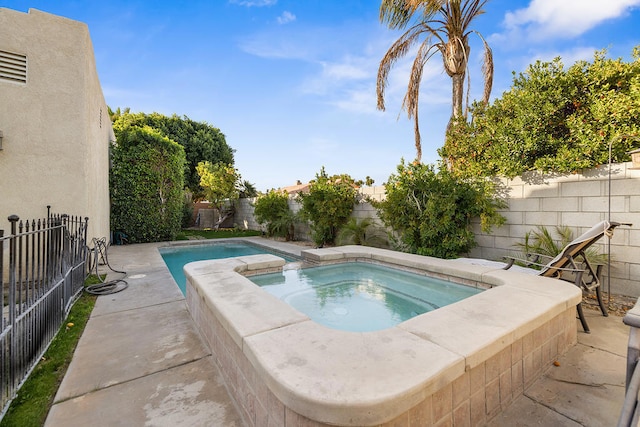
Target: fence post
x=12 y=297
x=83 y=251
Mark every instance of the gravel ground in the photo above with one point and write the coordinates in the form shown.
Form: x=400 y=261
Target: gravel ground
x=616 y=305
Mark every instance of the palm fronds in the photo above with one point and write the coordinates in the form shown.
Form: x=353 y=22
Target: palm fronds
x=541 y=241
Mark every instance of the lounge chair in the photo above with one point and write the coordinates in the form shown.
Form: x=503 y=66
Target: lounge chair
x=570 y=264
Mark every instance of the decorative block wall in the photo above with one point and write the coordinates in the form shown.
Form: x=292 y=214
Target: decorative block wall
x=578 y=201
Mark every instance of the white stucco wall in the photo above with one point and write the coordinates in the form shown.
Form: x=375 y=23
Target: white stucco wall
x=56 y=126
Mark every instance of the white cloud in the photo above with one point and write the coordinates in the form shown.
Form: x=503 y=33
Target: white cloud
x=286 y=17
x=361 y=101
x=276 y=47
x=251 y=3
x=350 y=68
x=346 y=80
x=338 y=77
x=545 y=19
x=286 y=42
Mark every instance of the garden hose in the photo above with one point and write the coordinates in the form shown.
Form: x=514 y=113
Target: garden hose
x=99 y=256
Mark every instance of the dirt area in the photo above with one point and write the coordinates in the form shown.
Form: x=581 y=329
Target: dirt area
x=617 y=305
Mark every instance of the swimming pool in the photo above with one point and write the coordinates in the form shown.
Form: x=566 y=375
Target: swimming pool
x=360 y=297
x=176 y=257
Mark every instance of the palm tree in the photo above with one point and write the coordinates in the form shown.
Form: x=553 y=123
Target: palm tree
x=248 y=190
x=443 y=26
x=113 y=115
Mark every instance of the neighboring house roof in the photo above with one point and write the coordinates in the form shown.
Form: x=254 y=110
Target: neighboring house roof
x=295 y=189
x=304 y=188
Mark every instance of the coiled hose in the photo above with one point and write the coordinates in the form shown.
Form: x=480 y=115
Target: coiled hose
x=98 y=255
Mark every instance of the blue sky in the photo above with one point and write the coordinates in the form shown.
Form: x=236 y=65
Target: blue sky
x=291 y=83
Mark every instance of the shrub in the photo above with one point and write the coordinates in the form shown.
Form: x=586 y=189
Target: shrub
x=328 y=205
x=431 y=212
x=273 y=210
x=363 y=232
x=187 y=214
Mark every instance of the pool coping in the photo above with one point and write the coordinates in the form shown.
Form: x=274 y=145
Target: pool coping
x=367 y=378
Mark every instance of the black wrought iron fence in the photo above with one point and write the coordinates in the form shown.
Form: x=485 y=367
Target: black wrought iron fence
x=42 y=271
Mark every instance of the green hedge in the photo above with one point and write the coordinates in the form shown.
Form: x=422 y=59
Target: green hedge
x=146 y=183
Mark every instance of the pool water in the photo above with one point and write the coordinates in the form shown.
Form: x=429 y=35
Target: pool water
x=361 y=297
x=177 y=257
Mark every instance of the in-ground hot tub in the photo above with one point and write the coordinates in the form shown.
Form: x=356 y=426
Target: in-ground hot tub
x=462 y=363
x=359 y=296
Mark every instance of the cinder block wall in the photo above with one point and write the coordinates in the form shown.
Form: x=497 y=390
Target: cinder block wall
x=244 y=213
x=578 y=201
x=244 y=218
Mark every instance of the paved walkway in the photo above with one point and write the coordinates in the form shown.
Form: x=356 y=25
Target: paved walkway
x=141 y=362
x=587 y=389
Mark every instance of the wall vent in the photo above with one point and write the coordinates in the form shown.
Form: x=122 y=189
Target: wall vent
x=13 y=67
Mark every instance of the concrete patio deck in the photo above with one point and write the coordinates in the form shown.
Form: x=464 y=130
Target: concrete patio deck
x=141 y=362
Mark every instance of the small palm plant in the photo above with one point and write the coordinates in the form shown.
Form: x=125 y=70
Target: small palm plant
x=273 y=210
x=283 y=225
x=363 y=232
x=541 y=242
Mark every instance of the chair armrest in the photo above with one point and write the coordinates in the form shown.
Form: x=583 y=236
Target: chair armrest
x=511 y=260
x=537 y=255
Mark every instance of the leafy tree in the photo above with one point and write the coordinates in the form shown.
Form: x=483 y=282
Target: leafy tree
x=553 y=120
x=431 y=212
x=146 y=182
x=444 y=28
x=273 y=210
x=201 y=141
x=328 y=205
x=221 y=184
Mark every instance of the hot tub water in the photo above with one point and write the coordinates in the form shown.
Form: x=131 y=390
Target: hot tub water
x=361 y=297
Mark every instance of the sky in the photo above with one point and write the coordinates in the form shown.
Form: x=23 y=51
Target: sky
x=292 y=83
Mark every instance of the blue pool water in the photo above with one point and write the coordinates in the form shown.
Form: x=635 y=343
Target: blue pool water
x=177 y=257
x=361 y=297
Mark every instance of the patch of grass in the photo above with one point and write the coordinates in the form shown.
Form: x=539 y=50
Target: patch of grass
x=222 y=233
x=35 y=397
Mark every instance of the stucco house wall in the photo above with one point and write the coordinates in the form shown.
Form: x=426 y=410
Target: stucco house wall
x=55 y=123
